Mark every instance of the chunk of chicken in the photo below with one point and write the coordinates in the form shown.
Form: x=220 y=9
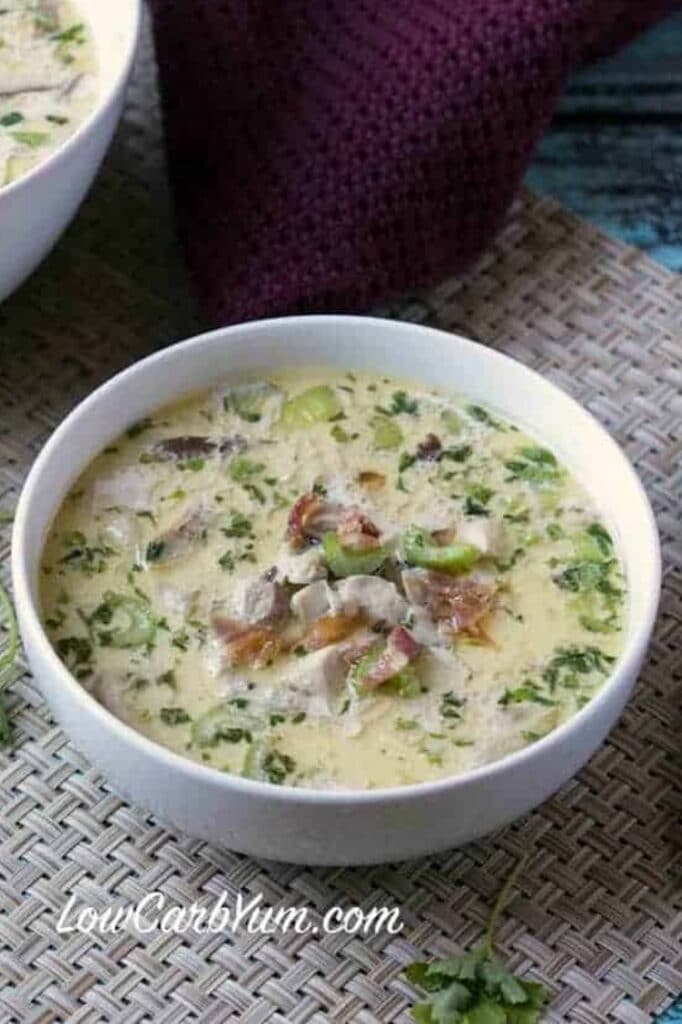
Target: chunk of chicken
x=302 y=568
x=318 y=679
x=312 y=602
x=263 y=601
x=376 y=599
x=128 y=488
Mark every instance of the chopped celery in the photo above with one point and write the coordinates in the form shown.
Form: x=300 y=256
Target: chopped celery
x=128 y=619
x=347 y=562
x=248 y=400
x=31 y=139
x=316 y=405
x=451 y=421
x=420 y=550
x=267 y=764
x=387 y=433
x=224 y=723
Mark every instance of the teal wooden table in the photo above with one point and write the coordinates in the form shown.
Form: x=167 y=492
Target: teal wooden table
x=613 y=152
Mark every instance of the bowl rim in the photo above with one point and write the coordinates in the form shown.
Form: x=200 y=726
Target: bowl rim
x=35 y=637
x=103 y=103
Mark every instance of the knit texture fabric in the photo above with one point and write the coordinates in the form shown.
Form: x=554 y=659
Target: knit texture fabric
x=329 y=154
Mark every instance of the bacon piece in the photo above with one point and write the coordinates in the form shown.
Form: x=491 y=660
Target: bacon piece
x=194 y=446
x=330 y=629
x=356 y=531
x=430 y=449
x=245 y=643
x=311 y=517
x=401 y=649
x=360 y=644
x=460 y=604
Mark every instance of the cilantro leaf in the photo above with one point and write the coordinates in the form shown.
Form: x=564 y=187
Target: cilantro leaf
x=476 y=988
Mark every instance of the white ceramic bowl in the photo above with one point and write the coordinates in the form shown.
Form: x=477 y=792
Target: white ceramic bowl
x=35 y=209
x=339 y=827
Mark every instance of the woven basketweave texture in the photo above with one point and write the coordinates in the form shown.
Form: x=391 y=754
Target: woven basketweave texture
x=598 y=916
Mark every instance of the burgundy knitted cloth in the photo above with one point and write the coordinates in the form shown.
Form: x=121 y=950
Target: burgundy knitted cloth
x=329 y=154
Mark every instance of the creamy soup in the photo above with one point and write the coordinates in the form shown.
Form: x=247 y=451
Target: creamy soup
x=48 y=83
x=333 y=580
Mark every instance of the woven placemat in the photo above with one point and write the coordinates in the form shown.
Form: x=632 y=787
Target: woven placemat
x=598 y=917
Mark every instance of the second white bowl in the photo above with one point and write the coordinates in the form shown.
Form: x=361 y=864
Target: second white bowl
x=35 y=209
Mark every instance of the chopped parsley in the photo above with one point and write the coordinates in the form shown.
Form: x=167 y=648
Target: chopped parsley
x=477 y=498
x=174 y=716
x=451 y=705
x=529 y=691
x=239 y=526
x=401 y=403
x=481 y=415
x=475 y=987
x=534 y=465
x=154 y=550
x=135 y=429
x=405 y=461
x=458 y=453
x=277 y=766
x=242 y=468
x=226 y=561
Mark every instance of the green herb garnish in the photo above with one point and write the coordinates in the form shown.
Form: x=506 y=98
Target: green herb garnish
x=135 y=429
x=534 y=465
x=458 y=453
x=477 y=498
x=243 y=468
x=475 y=987
x=569 y=662
x=340 y=435
x=155 y=550
x=174 y=716
x=477 y=412
x=451 y=705
x=239 y=526
x=31 y=139
x=277 y=766
x=529 y=691
x=401 y=403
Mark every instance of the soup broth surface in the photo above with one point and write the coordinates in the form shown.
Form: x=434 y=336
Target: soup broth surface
x=333 y=580
x=48 y=82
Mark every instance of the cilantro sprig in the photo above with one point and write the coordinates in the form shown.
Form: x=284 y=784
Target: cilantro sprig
x=476 y=988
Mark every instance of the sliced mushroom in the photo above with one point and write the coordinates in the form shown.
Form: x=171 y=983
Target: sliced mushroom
x=194 y=446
